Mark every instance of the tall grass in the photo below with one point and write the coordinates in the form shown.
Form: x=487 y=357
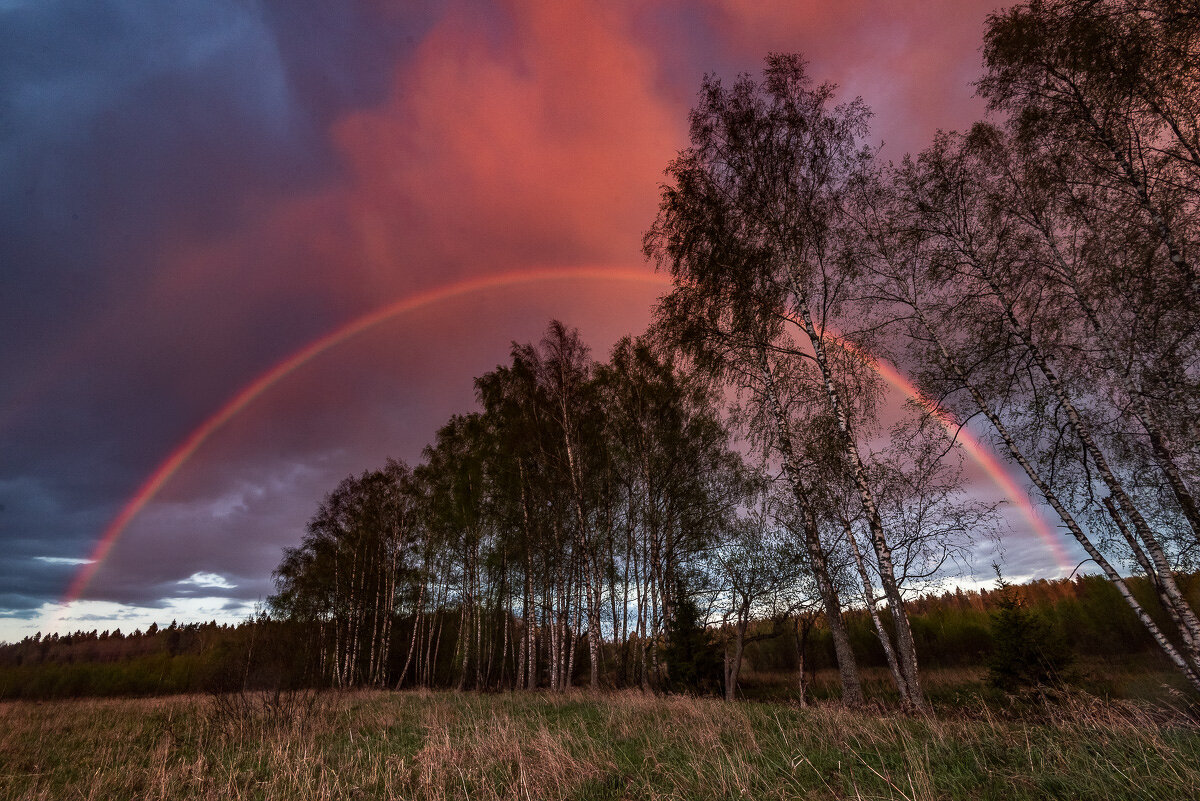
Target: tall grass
x=624 y=745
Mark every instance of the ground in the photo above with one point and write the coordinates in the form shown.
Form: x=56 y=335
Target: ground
x=423 y=745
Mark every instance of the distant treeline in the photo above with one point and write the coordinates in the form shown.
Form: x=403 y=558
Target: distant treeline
x=1086 y=615
x=193 y=657
x=954 y=629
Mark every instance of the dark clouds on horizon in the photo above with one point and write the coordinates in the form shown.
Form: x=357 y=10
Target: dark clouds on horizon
x=192 y=192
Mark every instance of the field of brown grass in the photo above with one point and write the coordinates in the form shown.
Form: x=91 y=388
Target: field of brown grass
x=420 y=745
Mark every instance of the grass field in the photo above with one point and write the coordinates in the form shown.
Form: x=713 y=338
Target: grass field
x=443 y=745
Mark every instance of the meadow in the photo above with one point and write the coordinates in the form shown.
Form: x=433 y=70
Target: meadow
x=620 y=745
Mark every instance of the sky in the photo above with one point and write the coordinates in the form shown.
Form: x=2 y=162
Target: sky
x=193 y=193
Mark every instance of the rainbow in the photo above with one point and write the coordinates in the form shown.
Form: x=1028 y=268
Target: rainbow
x=247 y=395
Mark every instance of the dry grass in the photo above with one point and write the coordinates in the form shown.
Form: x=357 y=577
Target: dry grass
x=622 y=745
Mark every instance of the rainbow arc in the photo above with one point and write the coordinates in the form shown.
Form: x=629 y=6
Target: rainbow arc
x=282 y=369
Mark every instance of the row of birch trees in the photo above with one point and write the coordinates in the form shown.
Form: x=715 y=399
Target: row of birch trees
x=547 y=536
x=594 y=524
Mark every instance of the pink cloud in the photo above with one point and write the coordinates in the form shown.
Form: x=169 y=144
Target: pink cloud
x=912 y=61
x=544 y=148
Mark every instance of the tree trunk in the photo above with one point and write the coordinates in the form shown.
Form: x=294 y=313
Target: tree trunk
x=869 y=597
x=906 y=649
x=848 y=667
x=1160 y=444
x=804 y=624
x=413 y=642
x=1190 y=623
x=733 y=667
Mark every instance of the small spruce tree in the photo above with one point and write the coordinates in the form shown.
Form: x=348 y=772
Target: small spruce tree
x=693 y=661
x=1026 y=651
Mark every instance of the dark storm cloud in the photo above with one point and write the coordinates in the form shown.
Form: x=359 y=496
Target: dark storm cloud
x=33 y=523
x=124 y=127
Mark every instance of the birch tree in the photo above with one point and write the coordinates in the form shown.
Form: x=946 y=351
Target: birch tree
x=766 y=179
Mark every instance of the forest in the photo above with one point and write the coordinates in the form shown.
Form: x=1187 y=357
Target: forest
x=1065 y=633
x=736 y=485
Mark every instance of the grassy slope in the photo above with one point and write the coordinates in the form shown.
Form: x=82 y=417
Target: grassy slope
x=443 y=745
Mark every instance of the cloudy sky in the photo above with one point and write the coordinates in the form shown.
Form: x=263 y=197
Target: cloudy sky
x=191 y=193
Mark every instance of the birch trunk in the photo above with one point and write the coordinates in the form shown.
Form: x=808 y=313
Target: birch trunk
x=803 y=627
x=847 y=666
x=1164 y=451
x=733 y=667
x=906 y=648
x=1191 y=624
x=869 y=597
x=413 y=642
